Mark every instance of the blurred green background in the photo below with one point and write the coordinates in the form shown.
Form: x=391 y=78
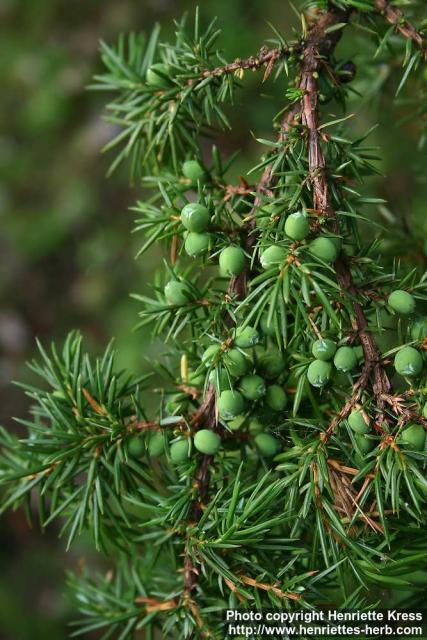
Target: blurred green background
x=66 y=253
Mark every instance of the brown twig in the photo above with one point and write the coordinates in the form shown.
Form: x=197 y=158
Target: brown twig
x=174 y=249
x=206 y=417
x=272 y=588
x=94 y=404
x=154 y=605
x=265 y=58
x=351 y=402
x=239 y=284
x=396 y=17
x=382 y=386
x=319 y=45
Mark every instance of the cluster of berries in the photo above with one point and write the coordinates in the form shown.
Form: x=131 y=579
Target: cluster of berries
x=205 y=441
x=247 y=383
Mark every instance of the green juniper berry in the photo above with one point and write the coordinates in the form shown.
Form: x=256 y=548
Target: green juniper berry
x=285 y=465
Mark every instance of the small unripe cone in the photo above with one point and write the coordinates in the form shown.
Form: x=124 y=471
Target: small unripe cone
x=176 y=403
x=413 y=437
x=136 y=446
x=382 y=319
x=207 y=442
x=296 y=226
x=230 y=404
x=319 y=373
x=193 y=170
x=177 y=292
x=195 y=217
x=267 y=444
x=196 y=379
x=236 y=363
x=232 y=261
x=271 y=364
x=346 y=72
x=387 y=340
x=408 y=362
x=419 y=329
x=255 y=427
x=337 y=242
x=387 y=320
x=210 y=354
x=324 y=249
x=402 y=302
x=197 y=244
x=246 y=337
x=273 y=256
x=365 y=445
x=154 y=78
x=236 y=423
x=340 y=380
x=357 y=422
x=156 y=445
x=252 y=387
x=324 y=349
x=350 y=250
x=265 y=215
x=180 y=450
x=276 y=398
x=267 y=328
x=345 y=359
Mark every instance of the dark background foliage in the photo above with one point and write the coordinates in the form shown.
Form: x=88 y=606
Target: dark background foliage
x=66 y=254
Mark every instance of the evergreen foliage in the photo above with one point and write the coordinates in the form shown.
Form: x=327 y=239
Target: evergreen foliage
x=285 y=466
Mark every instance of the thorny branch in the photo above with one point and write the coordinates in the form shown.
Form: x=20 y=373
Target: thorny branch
x=238 y=287
x=397 y=18
x=319 y=44
x=205 y=417
x=266 y=58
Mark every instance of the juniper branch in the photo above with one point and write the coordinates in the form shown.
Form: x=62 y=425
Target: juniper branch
x=206 y=415
x=396 y=17
x=265 y=58
x=320 y=43
x=90 y=427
